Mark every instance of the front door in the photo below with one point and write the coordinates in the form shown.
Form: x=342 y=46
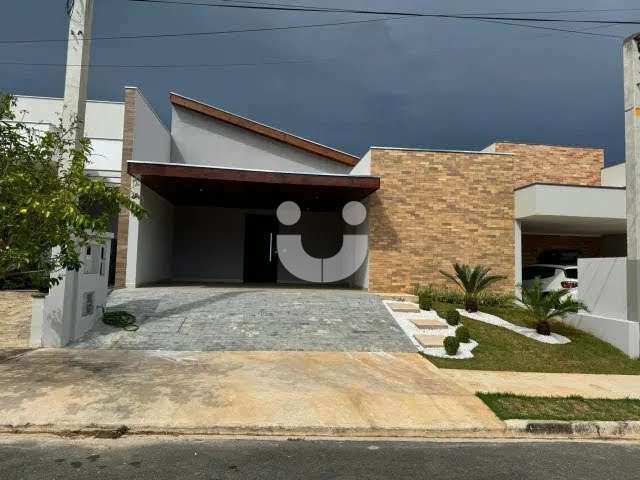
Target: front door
x=260 y=249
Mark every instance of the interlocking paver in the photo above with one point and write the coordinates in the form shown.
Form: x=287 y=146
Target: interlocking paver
x=250 y=319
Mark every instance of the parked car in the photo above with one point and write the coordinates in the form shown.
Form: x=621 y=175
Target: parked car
x=552 y=277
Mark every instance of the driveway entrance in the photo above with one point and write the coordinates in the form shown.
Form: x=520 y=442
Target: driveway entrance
x=205 y=318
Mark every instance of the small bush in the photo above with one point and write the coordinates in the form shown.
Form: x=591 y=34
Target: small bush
x=426 y=303
x=462 y=334
x=452 y=316
x=451 y=345
x=456 y=297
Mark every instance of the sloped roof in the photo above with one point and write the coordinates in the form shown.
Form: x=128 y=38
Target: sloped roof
x=264 y=130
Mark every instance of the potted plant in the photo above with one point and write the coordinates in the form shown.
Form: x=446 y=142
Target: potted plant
x=472 y=281
x=547 y=306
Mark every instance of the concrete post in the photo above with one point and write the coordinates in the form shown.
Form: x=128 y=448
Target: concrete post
x=60 y=304
x=632 y=140
x=77 y=71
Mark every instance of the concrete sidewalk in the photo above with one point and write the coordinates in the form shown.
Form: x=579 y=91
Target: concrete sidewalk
x=548 y=384
x=263 y=393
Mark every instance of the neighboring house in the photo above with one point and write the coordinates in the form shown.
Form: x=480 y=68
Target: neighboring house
x=204 y=182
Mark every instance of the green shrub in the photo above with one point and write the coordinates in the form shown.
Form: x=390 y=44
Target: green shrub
x=451 y=345
x=462 y=334
x=456 y=297
x=425 y=302
x=452 y=316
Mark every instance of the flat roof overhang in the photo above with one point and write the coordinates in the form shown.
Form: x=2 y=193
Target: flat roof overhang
x=571 y=209
x=190 y=185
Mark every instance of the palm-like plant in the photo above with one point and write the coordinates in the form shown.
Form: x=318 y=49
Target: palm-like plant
x=546 y=306
x=472 y=281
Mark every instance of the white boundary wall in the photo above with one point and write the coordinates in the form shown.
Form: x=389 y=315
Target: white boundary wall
x=603 y=288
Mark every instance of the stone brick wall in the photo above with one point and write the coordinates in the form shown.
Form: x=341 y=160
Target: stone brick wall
x=436 y=208
x=533 y=245
x=125 y=186
x=554 y=164
x=15 y=318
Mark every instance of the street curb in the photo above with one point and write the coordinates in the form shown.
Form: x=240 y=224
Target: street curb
x=115 y=431
x=575 y=429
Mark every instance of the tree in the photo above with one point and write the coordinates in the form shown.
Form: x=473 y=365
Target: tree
x=49 y=208
x=546 y=306
x=472 y=281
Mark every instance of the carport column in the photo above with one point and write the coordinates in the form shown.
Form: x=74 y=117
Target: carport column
x=517 y=251
x=632 y=137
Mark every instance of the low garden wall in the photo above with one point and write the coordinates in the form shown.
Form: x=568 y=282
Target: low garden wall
x=16 y=312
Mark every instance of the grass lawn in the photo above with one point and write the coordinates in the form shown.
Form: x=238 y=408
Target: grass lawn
x=507 y=406
x=501 y=349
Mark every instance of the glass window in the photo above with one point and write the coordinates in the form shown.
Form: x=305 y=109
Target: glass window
x=571 y=273
x=529 y=273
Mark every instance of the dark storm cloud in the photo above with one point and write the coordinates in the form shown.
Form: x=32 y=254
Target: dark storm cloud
x=416 y=82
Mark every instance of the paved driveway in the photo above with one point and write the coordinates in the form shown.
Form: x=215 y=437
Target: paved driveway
x=205 y=318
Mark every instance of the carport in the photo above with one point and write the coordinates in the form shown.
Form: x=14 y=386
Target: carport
x=216 y=224
x=591 y=220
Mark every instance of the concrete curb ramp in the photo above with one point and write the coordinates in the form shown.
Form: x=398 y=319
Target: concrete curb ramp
x=576 y=429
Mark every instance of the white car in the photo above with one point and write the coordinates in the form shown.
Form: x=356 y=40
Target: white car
x=552 y=277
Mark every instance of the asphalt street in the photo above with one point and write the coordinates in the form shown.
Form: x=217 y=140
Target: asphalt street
x=160 y=458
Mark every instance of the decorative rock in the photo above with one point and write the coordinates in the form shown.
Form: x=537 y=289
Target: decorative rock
x=427 y=341
x=426 y=324
x=404 y=307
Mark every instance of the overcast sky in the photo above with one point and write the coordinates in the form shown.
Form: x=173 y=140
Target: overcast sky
x=411 y=82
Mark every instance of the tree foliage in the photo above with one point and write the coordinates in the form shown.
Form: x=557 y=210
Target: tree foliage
x=547 y=306
x=49 y=208
x=472 y=281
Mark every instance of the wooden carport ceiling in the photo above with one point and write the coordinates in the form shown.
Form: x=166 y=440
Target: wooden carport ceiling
x=190 y=185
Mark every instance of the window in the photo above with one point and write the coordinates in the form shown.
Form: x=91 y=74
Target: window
x=571 y=273
x=529 y=273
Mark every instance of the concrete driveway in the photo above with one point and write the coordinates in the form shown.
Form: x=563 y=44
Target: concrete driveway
x=205 y=318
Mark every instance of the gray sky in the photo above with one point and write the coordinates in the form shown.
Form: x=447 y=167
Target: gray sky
x=412 y=82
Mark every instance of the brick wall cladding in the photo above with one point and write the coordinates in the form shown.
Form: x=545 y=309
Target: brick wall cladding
x=553 y=164
x=533 y=245
x=434 y=209
x=125 y=186
x=15 y=318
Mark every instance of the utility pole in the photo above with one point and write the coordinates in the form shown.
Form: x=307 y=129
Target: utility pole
x=61 y=302
x=632 y=140
x=78 y=58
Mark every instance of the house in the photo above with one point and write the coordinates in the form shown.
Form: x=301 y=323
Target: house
x=207 y=181
x=213 y=182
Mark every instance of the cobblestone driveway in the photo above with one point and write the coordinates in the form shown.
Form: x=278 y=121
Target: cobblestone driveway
x=205 y=318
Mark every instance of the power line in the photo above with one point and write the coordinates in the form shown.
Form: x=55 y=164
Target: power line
x=215 y=32
x=381 y=12
x=169 y=65
x=283 y=28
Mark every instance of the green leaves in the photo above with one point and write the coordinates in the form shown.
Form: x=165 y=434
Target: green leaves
x=48 y=206
x=547 y=306
x=472 y=281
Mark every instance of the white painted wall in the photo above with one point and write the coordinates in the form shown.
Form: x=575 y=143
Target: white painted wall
x=614 y=176
x=363 y=167
x=104 y=124
x=602 y=287
x=151 y=140
x=201 y=140
x=570 y=201
x=150 y=247
x=68 y=296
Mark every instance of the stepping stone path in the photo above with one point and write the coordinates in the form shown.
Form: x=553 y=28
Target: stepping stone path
x=426 y=324
x=427 y=341
x=404 y=307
